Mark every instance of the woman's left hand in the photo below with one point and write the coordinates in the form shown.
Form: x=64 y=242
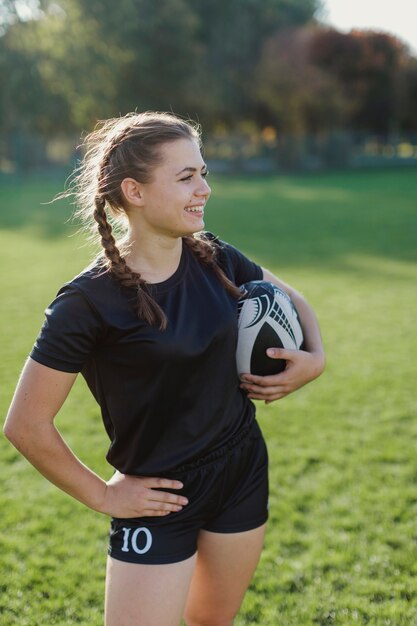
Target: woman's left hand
x=301 y=368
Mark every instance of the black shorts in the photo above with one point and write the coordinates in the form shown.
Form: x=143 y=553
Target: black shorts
x=227 y=492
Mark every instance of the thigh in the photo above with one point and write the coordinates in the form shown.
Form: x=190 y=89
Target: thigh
x=146 y=595
x=243 y=504
x=225 y=565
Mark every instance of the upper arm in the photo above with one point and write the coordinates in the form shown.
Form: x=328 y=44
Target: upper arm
x=66 y=341
x=269 y=276
x=40 y=393
x=70 y=333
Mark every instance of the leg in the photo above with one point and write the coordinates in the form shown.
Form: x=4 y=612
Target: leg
x=146 y=595
x=225 y=565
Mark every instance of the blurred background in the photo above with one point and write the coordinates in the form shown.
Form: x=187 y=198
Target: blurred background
x=275 y=85
x=310 y=129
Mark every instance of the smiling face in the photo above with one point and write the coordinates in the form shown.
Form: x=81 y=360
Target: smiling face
x=172 y=203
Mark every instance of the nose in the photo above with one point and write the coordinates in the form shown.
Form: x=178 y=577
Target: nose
x=203 y=188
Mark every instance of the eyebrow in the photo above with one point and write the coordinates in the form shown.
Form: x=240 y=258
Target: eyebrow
x=191 y=169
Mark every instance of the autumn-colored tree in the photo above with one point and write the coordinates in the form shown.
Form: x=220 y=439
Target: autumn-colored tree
x=299 y=96
x=370 y=68
x=232 y=35
x=409 y=116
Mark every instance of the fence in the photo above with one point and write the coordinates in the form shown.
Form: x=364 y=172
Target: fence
x=256 y=152
x=270 y=152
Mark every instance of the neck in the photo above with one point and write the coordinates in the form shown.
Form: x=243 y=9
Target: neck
x=155 y=257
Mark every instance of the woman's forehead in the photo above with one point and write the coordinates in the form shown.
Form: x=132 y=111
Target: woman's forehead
x=182 y=153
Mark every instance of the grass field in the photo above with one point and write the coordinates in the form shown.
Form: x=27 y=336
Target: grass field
x=342 y=541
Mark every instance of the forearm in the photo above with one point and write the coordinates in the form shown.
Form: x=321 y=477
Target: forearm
x=309 y=323
x=47 y=451
x=312 y=337
x=302 y=366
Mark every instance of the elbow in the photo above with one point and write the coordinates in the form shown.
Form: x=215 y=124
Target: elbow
x=320 y=363
x=14 y=433
x=10 y=432
x=25 y=434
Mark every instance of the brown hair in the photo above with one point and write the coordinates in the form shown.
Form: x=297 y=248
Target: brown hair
x=128 y=147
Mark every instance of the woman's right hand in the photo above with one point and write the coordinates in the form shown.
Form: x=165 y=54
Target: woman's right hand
x=138 y=496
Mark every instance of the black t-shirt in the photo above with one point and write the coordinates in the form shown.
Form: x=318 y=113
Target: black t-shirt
x=166 y=397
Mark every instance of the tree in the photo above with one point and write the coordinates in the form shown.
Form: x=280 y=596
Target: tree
x=409 y=116
x=100 y=58
x=232 y=35
x=369 y=66
x=299 y=96
x=26 y=101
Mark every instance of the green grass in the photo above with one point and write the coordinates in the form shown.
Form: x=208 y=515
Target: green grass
x=342 y=538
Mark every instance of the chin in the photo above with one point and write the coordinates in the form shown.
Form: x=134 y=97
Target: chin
x=190 y=230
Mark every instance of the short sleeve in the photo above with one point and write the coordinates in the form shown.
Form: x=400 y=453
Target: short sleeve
x=69 y=333
x=237 y=266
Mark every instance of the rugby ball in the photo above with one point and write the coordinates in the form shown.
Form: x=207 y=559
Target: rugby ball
x=267 y=318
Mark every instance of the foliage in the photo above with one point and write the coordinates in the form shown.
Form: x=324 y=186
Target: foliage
x=103 y=58
x=410 y=109
x=370 y=67
x=231 y=34
x=66 y=63
x=300 y=96
x=27 y=101
x=340 y=547
x=319 y=79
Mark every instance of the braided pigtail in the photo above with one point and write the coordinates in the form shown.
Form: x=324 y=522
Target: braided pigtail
x=147 y=308
x=206 y=252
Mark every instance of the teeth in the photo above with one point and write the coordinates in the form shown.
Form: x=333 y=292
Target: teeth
x=194 y=209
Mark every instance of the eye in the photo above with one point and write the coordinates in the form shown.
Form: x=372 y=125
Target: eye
x=187 y=178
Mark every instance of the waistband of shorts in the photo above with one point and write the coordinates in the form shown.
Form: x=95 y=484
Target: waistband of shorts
x=244 y=435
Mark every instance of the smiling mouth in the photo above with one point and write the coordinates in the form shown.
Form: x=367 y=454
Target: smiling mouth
x=195 y=209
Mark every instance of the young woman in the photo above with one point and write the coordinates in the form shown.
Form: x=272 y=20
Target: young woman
x=152 y=328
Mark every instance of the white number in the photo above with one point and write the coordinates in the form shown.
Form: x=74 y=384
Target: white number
x=134 y=539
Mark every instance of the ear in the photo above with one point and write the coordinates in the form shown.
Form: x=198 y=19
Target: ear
x=132 y=191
